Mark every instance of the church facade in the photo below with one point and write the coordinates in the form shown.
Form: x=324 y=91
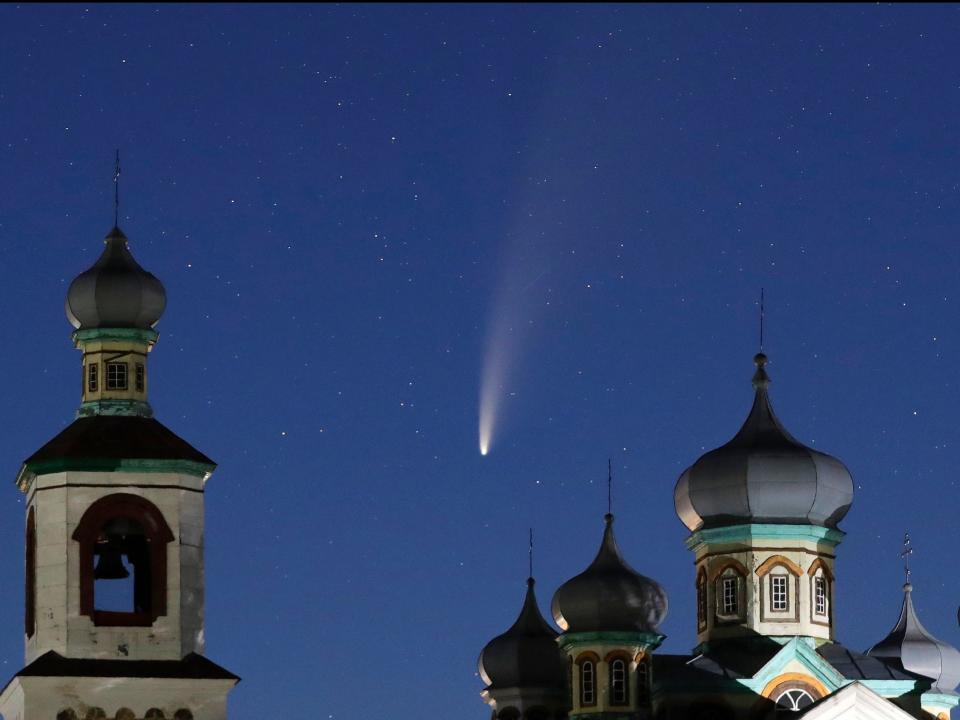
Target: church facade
x=114 y=624
x=763 y=513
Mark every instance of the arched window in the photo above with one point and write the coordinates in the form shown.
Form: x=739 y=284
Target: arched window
x=821 y=581
x=792 y=696
x=123 y=561
x=643 y=681
x=30 y=576
x=618 y=683
x=793 y=700
x=701 y=599
x=588 y=683
x=728 y=592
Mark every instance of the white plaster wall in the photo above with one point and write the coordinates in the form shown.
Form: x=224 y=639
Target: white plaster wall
x=60 y=501
x=801 y=553
x=41 y=698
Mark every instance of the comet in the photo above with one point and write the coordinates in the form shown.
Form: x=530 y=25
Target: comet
x=512 y=317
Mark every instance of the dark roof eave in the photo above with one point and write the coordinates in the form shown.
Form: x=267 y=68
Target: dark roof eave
x=191 y=667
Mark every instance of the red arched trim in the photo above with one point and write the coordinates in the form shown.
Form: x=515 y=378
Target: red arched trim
x=134 y=507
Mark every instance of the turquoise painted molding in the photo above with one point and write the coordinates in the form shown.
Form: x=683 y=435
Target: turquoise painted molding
x=797 y=649
x=140 y=465
x=135 y=408
x=644 y=639
x=762 y=531
x=122 y=334
x=948 y=701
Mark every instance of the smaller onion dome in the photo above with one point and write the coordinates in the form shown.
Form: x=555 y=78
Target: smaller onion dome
x=917 y=650
x=763 y=475
x=609 y=595
x=526 y=655
x=116 y=292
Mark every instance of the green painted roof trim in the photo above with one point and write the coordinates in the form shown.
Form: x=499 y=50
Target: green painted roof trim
x=136 y=334
x=647 y=639
x=764 y=531
x=130 y=408
x=187 y=467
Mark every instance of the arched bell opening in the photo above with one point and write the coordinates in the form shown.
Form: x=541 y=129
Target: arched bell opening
x=123 y=561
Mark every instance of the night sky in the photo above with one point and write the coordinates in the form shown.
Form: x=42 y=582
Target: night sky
x=357 y=209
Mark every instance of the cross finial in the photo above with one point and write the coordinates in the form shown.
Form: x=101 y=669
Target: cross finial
x=116 y=191
x=530 y=553
x=907 y=552
x=609 y=486
x=761 y=319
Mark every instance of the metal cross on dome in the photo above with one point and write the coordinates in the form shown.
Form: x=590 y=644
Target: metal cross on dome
x=907 y=552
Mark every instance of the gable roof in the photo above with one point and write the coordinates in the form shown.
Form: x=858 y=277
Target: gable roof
x=854 y=702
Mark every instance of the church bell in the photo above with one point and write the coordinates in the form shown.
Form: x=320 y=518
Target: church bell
x=110 y=563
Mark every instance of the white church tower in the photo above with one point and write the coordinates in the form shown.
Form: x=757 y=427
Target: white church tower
x=114 y=532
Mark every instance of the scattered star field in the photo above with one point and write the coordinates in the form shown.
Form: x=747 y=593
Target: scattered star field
x=347 y=202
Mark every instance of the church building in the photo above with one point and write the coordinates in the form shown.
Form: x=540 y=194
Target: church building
x=763 y=513
x=113 y=622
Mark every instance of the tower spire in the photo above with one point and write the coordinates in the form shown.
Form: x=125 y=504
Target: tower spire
x=530 y=555
x=609 y=487
x=905 y=554
x=761 y=320
x=116 y=191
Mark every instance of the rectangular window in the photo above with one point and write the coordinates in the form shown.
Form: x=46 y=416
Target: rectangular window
x=729 y=604
x=820 y=595
x=116 y=376
x=92 y=377
x=778 y=593
x=139 y=381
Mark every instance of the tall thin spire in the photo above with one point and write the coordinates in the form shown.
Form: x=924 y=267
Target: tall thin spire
x=530 y=554
x=761 y=319
x=116 y=191
x=609 y=486
x=905 y=554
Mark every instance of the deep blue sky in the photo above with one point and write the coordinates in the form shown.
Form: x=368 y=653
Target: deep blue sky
x=335 y=198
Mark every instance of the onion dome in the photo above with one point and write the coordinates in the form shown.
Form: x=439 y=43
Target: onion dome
x=526 y=655
x=609 y=595
x=917 y=650
x=116 y=292
x=763 y=475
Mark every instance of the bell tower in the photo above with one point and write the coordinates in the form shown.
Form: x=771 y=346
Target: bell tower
x=762 y=512
x=114 y=611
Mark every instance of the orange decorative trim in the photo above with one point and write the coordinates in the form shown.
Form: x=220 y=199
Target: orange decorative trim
x=771 y=562
x=587 y=655
x=795 y=677
x=817 y=565
x=641 y=656
x=725 y=565
x=701 y=573
x=618 y=655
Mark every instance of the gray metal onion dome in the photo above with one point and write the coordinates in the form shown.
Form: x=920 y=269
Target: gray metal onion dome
x=609 y=595
x=526 y=655
x=763 y=475
x=917 y=650
x=116 y=292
